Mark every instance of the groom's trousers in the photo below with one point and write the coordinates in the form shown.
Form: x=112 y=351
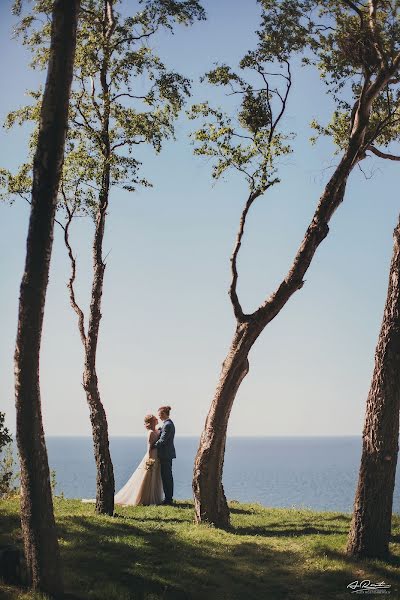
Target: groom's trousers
x=167 y=479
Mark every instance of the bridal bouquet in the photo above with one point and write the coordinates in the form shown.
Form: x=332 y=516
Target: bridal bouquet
x=149 y=464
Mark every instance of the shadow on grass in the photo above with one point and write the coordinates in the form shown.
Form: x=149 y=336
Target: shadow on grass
x=160 y=563
x=344 y=518
x=270 y=531
x=240 y=511
x=154 y=519
x=158 y=557
x=384 y=568
x=143 y=562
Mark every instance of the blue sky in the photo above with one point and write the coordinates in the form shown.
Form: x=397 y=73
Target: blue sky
x=167 y=320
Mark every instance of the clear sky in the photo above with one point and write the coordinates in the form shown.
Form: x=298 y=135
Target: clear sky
x=167 y=320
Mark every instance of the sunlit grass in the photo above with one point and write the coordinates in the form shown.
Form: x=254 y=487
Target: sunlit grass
x=158 y=553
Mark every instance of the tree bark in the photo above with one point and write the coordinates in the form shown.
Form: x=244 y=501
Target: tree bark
x=37 y=516
x=372 y=517
x=207 y=476
x=105 y=485
x=210 y=502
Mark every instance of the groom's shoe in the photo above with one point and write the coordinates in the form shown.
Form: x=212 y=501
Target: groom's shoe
x=167 y=502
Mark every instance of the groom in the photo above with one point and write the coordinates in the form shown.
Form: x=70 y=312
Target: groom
x=166 y=452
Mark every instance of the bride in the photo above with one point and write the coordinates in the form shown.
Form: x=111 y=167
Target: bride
x=144 y=486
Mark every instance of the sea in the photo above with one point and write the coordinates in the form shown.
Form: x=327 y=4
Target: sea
x=319 y=473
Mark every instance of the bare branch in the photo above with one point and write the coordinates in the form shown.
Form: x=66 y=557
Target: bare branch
x=381 y=154
x=70 y=284
x=145 y=35
x=22 y=195
x=355 y=8
x=237 y=309
x=91 y=13
x=127 y=142
x=94 y=101
x=128 y=95
x=283 y=102
x=87 y=124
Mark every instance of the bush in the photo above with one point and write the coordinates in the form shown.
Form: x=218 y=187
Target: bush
x=7 y=463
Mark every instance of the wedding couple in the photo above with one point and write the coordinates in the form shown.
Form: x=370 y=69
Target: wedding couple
x=154 y=473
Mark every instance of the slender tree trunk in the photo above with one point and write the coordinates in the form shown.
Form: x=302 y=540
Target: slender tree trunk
x=105 y=487
x=37 y=516
x=372 y=517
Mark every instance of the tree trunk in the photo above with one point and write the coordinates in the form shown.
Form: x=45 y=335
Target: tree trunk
x=37 y=516
x=209 y=497
x=371 y=524
x=105 y=486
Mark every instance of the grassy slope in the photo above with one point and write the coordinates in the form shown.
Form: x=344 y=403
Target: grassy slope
x=158 y=553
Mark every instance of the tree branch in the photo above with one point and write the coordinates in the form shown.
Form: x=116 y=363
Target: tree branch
x=128 y=95
x=330 y=200
x=70 y=284
x=383 y=154
x=355 y=8
x=93 y=97
x=127 y=142
x=374 y=34
x=283 y=101
x=237 y=309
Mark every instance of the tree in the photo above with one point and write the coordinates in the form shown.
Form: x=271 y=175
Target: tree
x=372 y=517
x=37 y=517
x=370 y=528
x=359 y=58
x=108 y=119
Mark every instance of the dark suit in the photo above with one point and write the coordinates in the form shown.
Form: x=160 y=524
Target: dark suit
x=166 y=452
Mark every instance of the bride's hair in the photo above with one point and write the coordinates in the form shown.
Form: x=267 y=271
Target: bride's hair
x=148 y=421
x=165 y=409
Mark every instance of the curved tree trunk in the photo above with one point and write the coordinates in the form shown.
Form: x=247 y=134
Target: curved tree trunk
x=104 y=468
x=210 y=501
x=372 y=517
x=37 y=516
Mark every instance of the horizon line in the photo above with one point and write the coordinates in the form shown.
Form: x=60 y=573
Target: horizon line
x=138 y=435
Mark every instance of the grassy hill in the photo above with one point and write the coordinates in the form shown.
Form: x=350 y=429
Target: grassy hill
x=158 y=553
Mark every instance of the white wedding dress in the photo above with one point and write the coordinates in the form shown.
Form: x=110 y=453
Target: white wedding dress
x=144 y=486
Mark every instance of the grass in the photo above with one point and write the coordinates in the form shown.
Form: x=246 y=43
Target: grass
x=158 y=553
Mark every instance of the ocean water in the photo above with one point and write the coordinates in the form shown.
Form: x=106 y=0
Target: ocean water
x=313 y=472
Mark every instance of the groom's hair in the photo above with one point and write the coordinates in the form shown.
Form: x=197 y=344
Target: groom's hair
x=165 y=409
